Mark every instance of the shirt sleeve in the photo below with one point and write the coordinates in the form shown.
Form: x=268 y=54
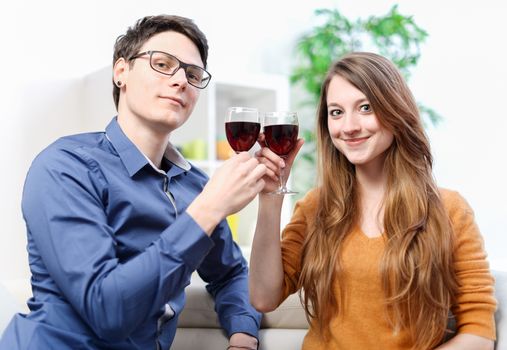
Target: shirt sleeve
x=475 y=303
x=226 y=272
x=64 y=203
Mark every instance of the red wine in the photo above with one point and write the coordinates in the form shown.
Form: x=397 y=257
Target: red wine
x=281 y=138
x=242 y=135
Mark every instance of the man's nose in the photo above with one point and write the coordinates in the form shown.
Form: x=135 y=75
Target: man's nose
x=179 y=78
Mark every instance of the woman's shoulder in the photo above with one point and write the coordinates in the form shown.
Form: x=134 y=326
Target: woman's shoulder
x=453 y=200
x=457 y=207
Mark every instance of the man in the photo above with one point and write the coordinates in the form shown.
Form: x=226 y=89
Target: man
x=117 y=221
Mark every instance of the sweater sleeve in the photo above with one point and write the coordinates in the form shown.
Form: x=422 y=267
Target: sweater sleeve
x=293 y=238
x=475 y=303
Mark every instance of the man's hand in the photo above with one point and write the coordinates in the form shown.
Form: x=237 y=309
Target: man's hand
x=242 y=341
x=233 y=185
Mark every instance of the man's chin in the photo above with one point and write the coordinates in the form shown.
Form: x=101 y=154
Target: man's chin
x=170 y=122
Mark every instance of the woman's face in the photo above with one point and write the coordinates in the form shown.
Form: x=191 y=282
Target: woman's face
x=353 y=125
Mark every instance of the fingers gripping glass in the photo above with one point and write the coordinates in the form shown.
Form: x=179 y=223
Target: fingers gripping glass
x=167 y=64
x=281 y=134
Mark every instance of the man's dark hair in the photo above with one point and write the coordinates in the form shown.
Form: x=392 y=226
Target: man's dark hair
x=129 y=44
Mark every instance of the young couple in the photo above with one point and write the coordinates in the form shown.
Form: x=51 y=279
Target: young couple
x=117 y=221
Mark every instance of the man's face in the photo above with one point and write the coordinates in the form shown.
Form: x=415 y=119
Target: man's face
x=161 y=102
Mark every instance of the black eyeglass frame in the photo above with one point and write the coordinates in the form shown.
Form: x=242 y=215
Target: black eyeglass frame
x=181 y=64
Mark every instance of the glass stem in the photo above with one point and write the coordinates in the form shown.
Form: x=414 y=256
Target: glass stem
x=282 y=176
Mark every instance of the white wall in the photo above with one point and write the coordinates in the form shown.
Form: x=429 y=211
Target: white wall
x=463 y=75
x=48 y=47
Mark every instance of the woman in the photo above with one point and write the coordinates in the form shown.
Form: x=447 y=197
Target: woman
x=380 y=255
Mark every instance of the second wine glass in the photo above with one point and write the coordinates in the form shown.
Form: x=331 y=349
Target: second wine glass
x=242 y=127
x=281 y=134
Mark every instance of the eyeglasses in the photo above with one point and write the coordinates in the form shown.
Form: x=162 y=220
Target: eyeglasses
x=167 y=64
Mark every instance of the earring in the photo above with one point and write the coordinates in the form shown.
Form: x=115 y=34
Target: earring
x=118 y=83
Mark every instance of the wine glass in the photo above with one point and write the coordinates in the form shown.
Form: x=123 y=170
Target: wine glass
x=281 y=134
x=242 y=127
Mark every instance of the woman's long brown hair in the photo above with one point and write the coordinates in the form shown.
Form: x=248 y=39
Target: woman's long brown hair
x=416 y=269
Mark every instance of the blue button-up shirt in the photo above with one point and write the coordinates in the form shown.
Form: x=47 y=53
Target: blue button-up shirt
x=111 y=249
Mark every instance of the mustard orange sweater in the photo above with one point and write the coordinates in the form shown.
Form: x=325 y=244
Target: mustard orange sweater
x=363 y=323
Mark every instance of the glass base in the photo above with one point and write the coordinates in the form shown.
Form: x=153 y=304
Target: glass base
x=283 y=191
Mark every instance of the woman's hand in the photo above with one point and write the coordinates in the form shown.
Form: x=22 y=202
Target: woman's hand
x=274 y=163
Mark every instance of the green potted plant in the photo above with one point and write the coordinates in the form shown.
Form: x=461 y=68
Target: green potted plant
x=393 y=35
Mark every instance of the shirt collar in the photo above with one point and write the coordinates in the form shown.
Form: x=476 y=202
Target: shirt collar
x=175 y=157
x=132 y=158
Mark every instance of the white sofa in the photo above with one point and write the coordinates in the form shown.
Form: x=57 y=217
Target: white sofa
x=282 y=329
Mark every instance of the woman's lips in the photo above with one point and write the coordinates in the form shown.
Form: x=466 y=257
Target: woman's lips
x=355 y=141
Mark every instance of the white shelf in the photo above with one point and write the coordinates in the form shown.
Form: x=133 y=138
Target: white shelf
x=263 y=91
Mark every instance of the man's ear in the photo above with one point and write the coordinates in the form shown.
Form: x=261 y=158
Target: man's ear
x=120 y=72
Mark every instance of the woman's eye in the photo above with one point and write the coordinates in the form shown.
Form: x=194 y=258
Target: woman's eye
x=365 y=108
x=335 y=113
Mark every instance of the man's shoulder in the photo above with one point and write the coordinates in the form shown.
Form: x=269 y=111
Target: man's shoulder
x=78 y=141
x=67 y=161
x=68 y=149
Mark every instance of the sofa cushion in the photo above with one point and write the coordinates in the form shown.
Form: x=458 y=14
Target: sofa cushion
x=199 y=311
x=290 y=314
x=199 y=338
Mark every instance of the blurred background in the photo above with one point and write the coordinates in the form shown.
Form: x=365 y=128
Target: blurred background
x=56 y=61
